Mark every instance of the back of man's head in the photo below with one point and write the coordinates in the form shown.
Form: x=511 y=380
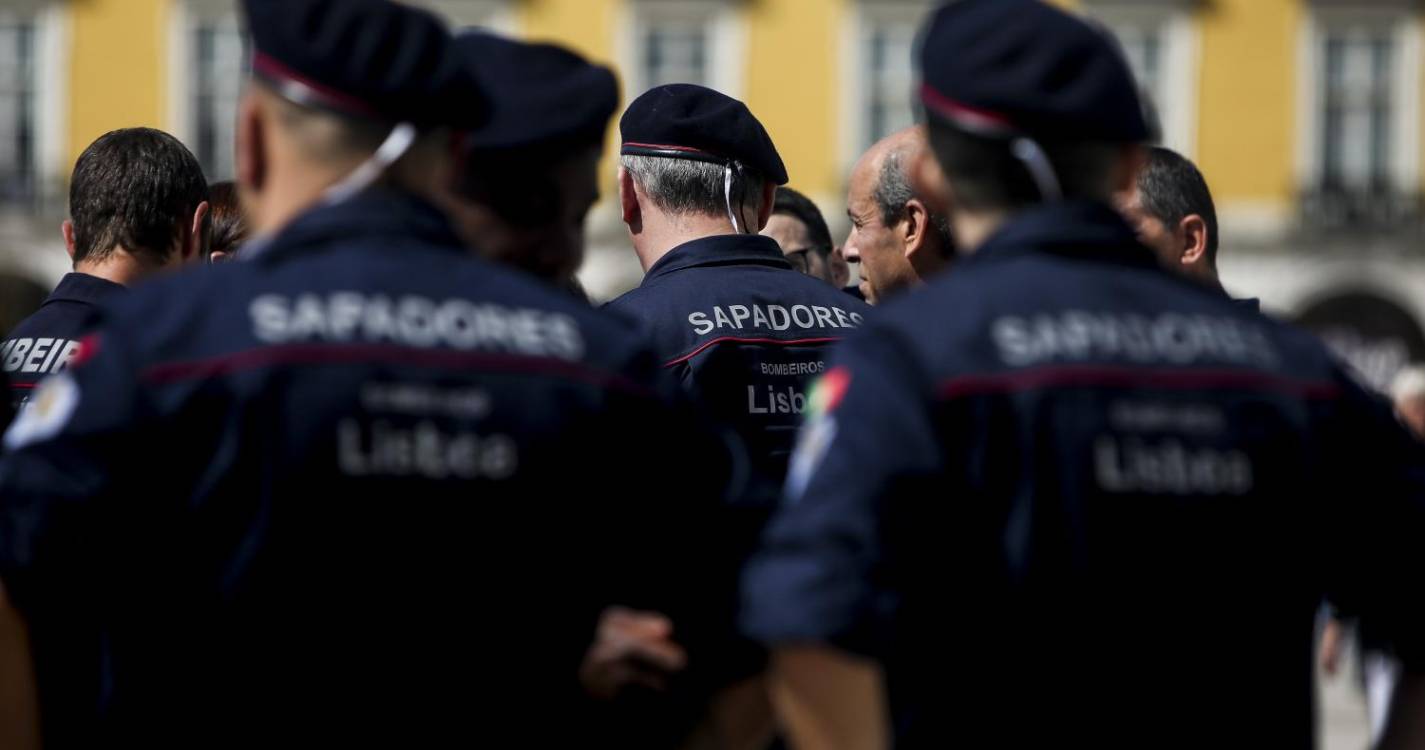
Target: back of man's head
x=1027 y=104
x=686 y=187
x=1171 y=188
x=289 y=153
x=134 y=190
x=987 y=176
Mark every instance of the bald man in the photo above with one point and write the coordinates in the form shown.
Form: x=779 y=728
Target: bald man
x=896 y=238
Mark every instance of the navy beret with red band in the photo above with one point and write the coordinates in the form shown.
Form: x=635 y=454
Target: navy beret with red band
x=373 y=59
x=684 y=121
x=1009 y=68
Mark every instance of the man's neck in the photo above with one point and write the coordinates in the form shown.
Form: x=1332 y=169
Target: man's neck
x=972 y=228
x=662 y=234
x=1203 y=273
x=119 y=266
x=287 y=199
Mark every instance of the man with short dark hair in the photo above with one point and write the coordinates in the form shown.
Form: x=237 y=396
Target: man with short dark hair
x=729 y=316
x=895 y=237
x=1171 y=209
x=530 y=175
x=799 y=228
x=138 y=205
x=1034 y=473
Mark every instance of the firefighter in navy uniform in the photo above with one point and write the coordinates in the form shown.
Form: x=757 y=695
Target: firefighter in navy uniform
x=531 y=174
x=390 y=508
x=47 y=341
x=727 y=312
x=138 y=203
x=1026 y=489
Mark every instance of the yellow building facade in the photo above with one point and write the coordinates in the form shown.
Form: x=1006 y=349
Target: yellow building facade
x=1305 y=115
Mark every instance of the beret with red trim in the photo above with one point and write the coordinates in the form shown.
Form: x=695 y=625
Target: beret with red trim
x=684 y=121
x=373 y=59
x=1025 y=68
x=541 y=95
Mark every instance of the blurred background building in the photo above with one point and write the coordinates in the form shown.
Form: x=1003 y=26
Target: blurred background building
x=1305 y=116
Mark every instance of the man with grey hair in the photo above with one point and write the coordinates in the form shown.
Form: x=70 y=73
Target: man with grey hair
x=727 y=312
x=896 y=238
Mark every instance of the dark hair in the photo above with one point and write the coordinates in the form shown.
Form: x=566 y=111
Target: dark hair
x=791 y=203
x=893 y=192
x=229 y=225
x=520 y=185
x=987 y=177
x=137 y=188
x=1172 y=188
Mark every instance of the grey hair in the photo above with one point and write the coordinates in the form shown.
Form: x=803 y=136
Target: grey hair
x=687 y=186
x=893 y=192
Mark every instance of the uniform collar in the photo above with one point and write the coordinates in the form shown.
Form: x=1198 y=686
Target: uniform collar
x=1078 y=229
x=720 y=250
x=83 y=287
x=375 y=212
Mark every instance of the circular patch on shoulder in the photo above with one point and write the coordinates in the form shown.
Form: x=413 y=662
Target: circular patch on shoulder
x=46 y=413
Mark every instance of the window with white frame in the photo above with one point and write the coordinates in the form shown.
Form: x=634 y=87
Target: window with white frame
x=216 y=54
x=1358 y=110
x=1159 y=39
x=1356 y=107
x=30 y=101
x=882 y=70
x=19 y=163
x=683 y=41
x=1361 y=99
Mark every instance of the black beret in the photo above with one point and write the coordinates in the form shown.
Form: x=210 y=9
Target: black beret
x=1025 y=68
x=540 y=95
x=374 y=59
x=684 y=121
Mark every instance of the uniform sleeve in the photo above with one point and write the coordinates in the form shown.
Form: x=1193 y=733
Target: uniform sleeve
x=1376 y=529
x=7 y=403
x=62 y=455
x=824 y=573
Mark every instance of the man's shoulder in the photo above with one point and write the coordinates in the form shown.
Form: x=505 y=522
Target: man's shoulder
x=414 y=300
x=995 y=317
x=55 y=318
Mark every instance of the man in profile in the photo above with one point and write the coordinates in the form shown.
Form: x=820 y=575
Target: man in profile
x=896 y=237
x=1171 y=209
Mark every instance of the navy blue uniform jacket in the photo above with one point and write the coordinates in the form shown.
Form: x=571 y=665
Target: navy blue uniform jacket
x=1066 y=497
x=745 y=332
x=364 y=486
x=48 y=340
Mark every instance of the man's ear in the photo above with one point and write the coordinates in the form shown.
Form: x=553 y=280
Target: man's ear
x=196 y=244
x=917 y=227
x=67 y=231
x=628 y=201
x=250 y=158
x=1193 y=229
x=764 y=208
